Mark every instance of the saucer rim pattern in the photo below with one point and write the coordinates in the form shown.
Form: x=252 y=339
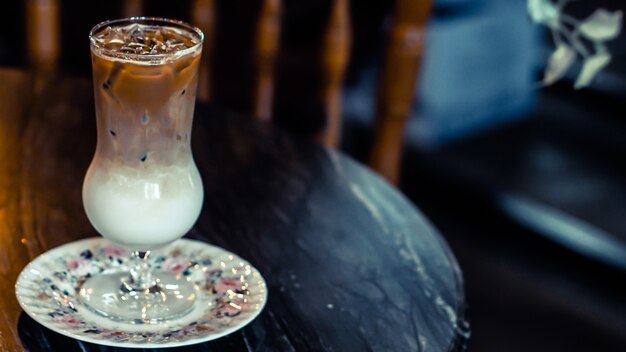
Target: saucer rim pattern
x=213 y=323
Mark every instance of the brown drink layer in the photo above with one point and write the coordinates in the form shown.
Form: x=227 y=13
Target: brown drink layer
x=145 y=79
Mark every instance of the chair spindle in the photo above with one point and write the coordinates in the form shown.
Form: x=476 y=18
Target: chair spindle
x=203 y=16
x=267 y=43
x=397 y=85
x=43 y=30
x=132 y=8
x=335 y=56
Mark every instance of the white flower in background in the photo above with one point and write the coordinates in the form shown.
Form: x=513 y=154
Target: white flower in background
x=544 y=12
x=591 y=66
x=602 y=25
x=559 y=62
x=573 y=37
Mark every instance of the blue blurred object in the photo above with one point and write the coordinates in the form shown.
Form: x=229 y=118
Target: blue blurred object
x=478 y=72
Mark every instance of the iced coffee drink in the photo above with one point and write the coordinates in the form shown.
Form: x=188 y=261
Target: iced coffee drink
x=142 y=189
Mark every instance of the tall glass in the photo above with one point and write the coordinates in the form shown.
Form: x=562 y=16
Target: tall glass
x=142 y=189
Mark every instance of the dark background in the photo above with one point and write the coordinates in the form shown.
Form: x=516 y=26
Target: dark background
x=551 y=278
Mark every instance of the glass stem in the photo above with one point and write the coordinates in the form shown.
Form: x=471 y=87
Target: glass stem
x=140 y=271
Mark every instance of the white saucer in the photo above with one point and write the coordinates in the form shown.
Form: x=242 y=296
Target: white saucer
x=233 y=293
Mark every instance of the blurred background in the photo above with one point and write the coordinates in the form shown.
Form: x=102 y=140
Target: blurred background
x=523 y=181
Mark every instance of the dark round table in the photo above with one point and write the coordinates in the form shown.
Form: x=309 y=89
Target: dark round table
x=351 y=264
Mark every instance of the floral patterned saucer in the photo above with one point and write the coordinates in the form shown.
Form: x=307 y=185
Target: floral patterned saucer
x=231 y=293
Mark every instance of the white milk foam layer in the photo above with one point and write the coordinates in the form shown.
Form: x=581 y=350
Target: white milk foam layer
x=143 y=210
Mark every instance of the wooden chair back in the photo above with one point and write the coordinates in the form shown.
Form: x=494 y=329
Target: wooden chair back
x=396 y=85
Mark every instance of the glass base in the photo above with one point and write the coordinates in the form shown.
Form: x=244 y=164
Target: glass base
x=113 y=296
